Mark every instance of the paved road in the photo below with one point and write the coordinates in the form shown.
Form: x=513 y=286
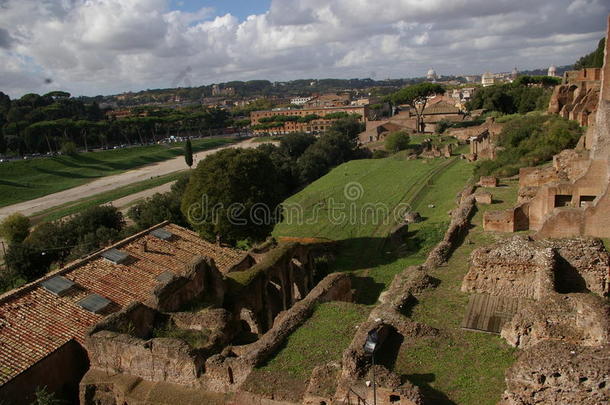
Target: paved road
x=115 y=181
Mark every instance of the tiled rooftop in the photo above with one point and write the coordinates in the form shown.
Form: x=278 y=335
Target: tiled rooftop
x=34 y=322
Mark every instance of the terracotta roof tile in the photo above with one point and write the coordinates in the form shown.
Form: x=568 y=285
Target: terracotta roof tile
x=34 y=322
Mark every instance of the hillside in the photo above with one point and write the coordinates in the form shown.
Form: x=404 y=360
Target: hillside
x=427 y=186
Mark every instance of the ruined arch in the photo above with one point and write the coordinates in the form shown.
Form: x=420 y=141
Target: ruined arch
x=275 y=299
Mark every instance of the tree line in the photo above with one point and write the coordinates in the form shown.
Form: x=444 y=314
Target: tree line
x=527 y=93
x=46 y=123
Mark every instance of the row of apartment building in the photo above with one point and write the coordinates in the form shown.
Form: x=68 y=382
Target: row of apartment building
x=314 y=126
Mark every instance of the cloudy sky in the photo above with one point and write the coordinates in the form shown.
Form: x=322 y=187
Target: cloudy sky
x=109 y=46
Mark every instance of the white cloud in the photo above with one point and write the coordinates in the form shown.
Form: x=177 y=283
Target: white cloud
x=108 y=46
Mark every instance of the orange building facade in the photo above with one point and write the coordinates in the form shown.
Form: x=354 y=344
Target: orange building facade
x=313 y=127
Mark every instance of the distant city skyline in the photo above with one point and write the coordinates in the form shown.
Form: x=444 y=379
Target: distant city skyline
x=113 y=46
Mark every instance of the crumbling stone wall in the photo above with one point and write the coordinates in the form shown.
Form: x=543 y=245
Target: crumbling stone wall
x=583 y=319
x=583 y=265
x=513 y=268
x=458 y=227
x=521 y=267
x=124 y=343
x=159 y=359
x=199 y=279
x=559 y=373
x=228 y=370
x=280 y=279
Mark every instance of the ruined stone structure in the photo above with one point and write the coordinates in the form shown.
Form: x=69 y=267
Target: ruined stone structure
x=481 y=147
x=388 y=319
x=125 y=345
x=572 y=197
x=483 y=197
x=559 y=373
x=130 y=313
x=576 y=318
x=562 y=328
x=577 y=96
x=520 y=267
x=490 y=126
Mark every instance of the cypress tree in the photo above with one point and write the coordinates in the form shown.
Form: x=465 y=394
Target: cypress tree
x=188 y=153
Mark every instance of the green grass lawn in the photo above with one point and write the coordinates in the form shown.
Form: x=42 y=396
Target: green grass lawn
x=28 y=179
x=330 y=211
x=462 y=367
x=286 y=374
x=428 y=186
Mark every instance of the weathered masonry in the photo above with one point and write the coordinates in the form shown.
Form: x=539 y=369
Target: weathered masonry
x=165 y=278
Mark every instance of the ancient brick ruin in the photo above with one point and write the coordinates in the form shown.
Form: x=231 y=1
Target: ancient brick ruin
x=562 y=321
x=204 y=349
x=572 y=197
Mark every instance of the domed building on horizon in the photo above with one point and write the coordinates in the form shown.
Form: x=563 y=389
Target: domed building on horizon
x=431 y=75
x=488 y=79
x=552 y=71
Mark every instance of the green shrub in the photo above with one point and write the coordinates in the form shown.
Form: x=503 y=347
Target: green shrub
x=529 y=141
x=69 y=148
x=379 y=154
x=397 y=141
x=15 y=228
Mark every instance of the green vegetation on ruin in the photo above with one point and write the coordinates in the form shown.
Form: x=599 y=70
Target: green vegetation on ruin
x=195 y=338
x=25 y=180
x=530 y=140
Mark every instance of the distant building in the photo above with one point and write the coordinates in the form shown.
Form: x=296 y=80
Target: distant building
x=222 y=91
x=431 y=75
x=514 y=74
x=300 y=100
x=329 y=100
x=552 y=71
x=488 y=79
x=317 y=125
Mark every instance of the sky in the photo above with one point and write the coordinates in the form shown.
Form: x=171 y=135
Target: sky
x=91 y=47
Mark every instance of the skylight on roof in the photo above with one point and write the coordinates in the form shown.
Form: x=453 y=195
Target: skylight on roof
x=57 y=285
x=162 y=233
x=94 y=303
x=115 y=256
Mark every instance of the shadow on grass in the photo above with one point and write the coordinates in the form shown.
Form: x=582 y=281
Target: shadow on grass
x=13 y=184
x=367 y=290
x=431 y=395
x=363 y=253
x=71 y=175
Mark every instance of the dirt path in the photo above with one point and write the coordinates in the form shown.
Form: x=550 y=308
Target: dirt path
x=109 y=183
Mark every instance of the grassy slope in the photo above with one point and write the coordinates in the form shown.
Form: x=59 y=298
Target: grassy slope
x=460 y=366
x=28 y=179
x=362 y=252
